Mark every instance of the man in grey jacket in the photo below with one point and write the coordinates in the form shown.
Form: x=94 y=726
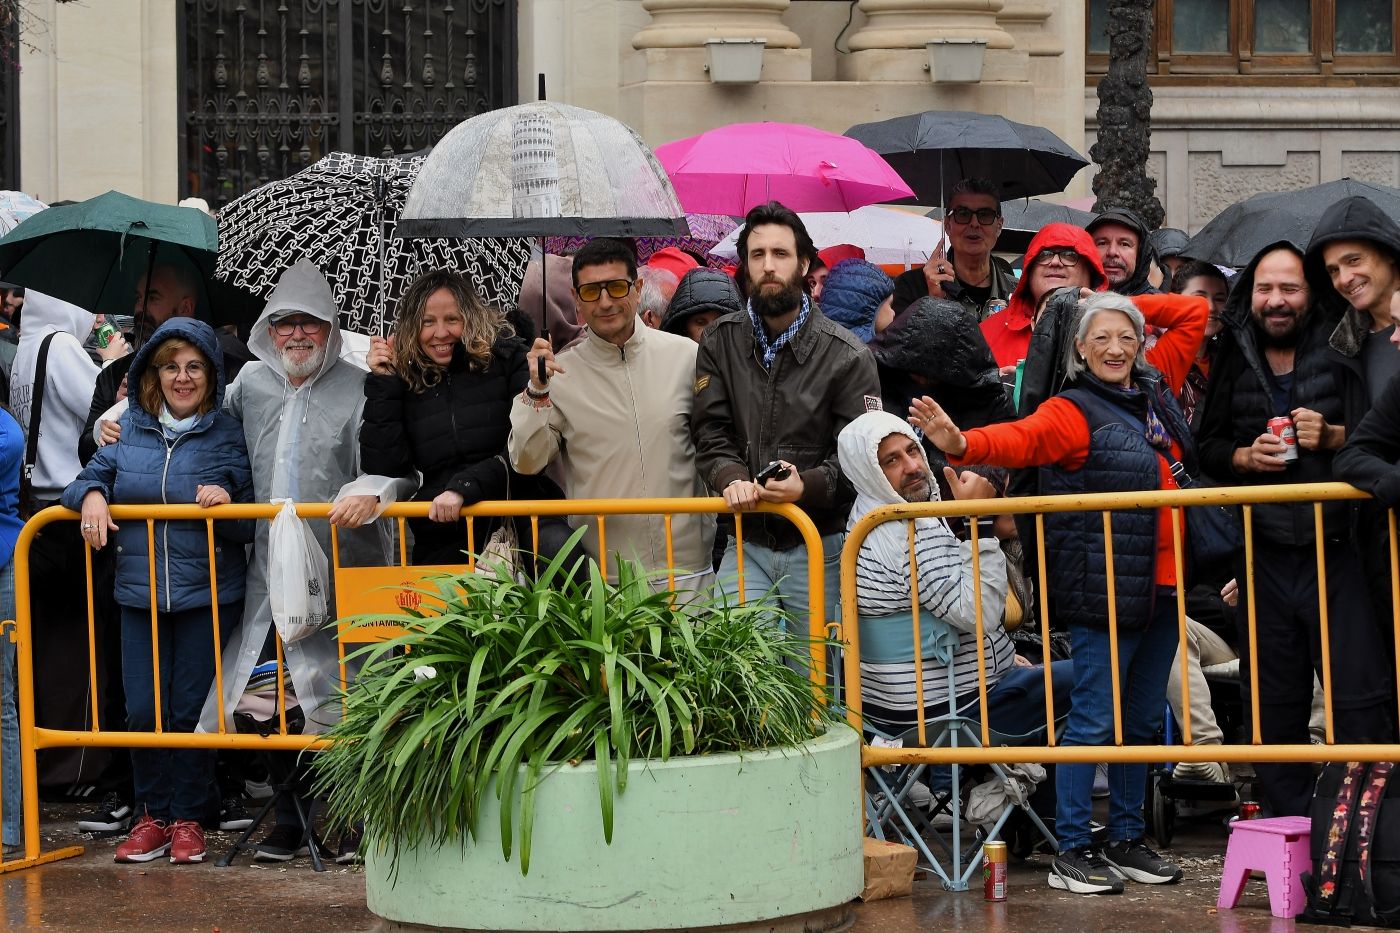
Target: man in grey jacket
x=774 y=384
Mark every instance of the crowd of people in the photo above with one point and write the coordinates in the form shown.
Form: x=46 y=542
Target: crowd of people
x=1109 y=362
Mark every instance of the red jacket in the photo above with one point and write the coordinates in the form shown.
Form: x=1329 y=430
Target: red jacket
x=1008 y=332
x=1058 y=433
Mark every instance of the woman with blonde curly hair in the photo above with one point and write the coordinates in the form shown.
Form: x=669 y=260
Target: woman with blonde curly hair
x=437 y=400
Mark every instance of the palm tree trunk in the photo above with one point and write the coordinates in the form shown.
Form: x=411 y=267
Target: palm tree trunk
x=1125 y=115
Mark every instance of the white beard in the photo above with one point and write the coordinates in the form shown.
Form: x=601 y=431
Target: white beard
x=305 y=369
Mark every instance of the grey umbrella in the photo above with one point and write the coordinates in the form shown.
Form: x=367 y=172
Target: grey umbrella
x=1023 y=218
x=1235 y=235
x=934 y=150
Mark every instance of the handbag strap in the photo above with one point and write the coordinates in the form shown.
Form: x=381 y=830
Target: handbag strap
x=36 y=407
x=1368 y=810
x=1338 y=831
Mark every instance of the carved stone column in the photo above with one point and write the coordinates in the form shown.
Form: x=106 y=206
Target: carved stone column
x=682 y=24
x=672 y=45
x=910 y=24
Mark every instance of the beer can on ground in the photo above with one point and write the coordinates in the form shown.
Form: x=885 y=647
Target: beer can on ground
x=1282 y=428
x=994 y=871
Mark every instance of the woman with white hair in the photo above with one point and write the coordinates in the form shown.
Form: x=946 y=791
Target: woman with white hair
x=1117 y=428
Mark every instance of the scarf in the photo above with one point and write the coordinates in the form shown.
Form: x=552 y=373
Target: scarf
x=770 y=350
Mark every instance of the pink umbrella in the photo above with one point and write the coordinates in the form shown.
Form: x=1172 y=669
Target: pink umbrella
x=733 y=168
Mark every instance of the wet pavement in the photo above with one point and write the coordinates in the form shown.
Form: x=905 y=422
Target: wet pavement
x=92 y=893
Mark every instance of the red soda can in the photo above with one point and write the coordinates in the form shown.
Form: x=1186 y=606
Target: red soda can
x=994 y=871
x=1282 y=428
x=1249 y=810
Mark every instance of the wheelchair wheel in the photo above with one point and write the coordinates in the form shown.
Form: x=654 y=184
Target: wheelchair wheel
x=1161 y=812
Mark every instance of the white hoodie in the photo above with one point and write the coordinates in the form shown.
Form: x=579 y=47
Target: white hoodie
x=71 y=376
x=946 y=593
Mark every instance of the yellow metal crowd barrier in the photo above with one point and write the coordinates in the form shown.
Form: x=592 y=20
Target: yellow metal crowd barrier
x=359 y=590
x=1107 y=503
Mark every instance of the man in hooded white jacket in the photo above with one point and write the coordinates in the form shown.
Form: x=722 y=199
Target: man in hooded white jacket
x=882 y=457
x=301 y=407
x=56 y=557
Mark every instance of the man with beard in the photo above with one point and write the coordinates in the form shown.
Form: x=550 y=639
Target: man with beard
x=1273 y=361
x=774 y=384
x=1127 y=254
x=886 y=464
x=301 y=406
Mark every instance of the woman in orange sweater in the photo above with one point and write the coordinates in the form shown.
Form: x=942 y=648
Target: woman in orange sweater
x=1118 y=428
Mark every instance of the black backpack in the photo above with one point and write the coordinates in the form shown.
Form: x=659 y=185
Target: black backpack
x=1355 y=847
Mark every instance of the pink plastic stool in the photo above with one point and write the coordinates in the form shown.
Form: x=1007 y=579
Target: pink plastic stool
x=1279 y=848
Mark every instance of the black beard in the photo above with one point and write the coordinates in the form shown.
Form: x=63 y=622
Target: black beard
x=1283 y=341
x=769 y=304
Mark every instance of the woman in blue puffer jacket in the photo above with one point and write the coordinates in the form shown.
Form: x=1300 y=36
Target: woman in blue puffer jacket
x=177 y=446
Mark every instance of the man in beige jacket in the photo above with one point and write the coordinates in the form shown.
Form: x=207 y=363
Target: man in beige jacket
x=614 y=410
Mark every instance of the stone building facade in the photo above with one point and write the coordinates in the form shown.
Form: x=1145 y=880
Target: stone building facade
x=105 y=102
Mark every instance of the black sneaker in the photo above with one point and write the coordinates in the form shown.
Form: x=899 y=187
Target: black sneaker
x=232 y=816
x=1084 y=871
x=282 y=844
x=1136 y=862
x=113 y=815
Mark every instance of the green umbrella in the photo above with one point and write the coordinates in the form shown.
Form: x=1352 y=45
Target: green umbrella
x=92 y=254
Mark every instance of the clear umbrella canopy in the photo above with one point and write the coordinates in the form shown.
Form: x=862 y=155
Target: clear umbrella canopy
x=542 y=169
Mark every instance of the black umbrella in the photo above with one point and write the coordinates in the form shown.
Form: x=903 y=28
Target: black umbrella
x=1237 y=234
x=934 y=150
x=1023 y=218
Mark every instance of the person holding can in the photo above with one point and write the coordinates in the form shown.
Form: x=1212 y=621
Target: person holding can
x=1117 y=428
x=1273 y=367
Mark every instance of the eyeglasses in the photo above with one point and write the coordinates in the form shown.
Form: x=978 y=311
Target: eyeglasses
x=616 y=288
x=1066 y=255
x=986 y=216
x=308 y=325
x=195 y=370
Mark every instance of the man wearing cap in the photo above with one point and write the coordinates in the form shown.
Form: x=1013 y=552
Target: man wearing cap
x=967 y=273
x=1124 y=249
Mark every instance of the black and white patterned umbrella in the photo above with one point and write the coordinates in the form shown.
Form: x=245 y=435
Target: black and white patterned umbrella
x=340 y=213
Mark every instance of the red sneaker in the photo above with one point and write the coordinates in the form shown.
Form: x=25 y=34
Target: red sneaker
x=150 y=839
x=186 y=842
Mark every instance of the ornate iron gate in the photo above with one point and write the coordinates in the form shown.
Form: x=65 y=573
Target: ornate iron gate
x=270 y=86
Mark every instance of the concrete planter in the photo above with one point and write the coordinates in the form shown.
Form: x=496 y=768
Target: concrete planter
x=702 y=841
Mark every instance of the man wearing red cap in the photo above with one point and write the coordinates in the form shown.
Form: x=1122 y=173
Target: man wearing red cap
x=658 y=281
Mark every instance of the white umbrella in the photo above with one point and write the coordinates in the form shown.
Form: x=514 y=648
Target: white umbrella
x=888 y=235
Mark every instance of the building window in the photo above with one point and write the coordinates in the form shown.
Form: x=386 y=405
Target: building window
x=1318 y=38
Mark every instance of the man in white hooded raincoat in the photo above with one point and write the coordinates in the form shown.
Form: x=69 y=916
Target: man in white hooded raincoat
x=301 y=408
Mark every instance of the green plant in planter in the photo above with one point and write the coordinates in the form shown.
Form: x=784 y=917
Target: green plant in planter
x=545 y=674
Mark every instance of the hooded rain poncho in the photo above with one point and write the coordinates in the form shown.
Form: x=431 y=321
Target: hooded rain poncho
x=302 y=442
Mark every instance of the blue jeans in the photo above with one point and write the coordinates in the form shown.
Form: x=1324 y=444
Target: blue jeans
x=785 y=574
x=171 y=784
x=12 y=803
x=1144 y=661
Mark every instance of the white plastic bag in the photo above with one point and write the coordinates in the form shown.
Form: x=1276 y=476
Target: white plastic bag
x=297 y=575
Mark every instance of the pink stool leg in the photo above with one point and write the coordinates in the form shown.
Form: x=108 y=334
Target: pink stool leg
x=1286 y=895
x=1233 y=878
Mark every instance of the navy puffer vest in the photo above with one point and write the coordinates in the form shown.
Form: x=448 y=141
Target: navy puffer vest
x=1120 y=460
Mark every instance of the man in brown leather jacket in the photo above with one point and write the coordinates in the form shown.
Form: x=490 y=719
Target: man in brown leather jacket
x=776 y=383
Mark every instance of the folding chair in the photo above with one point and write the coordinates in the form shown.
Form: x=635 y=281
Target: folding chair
x=887 y=813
